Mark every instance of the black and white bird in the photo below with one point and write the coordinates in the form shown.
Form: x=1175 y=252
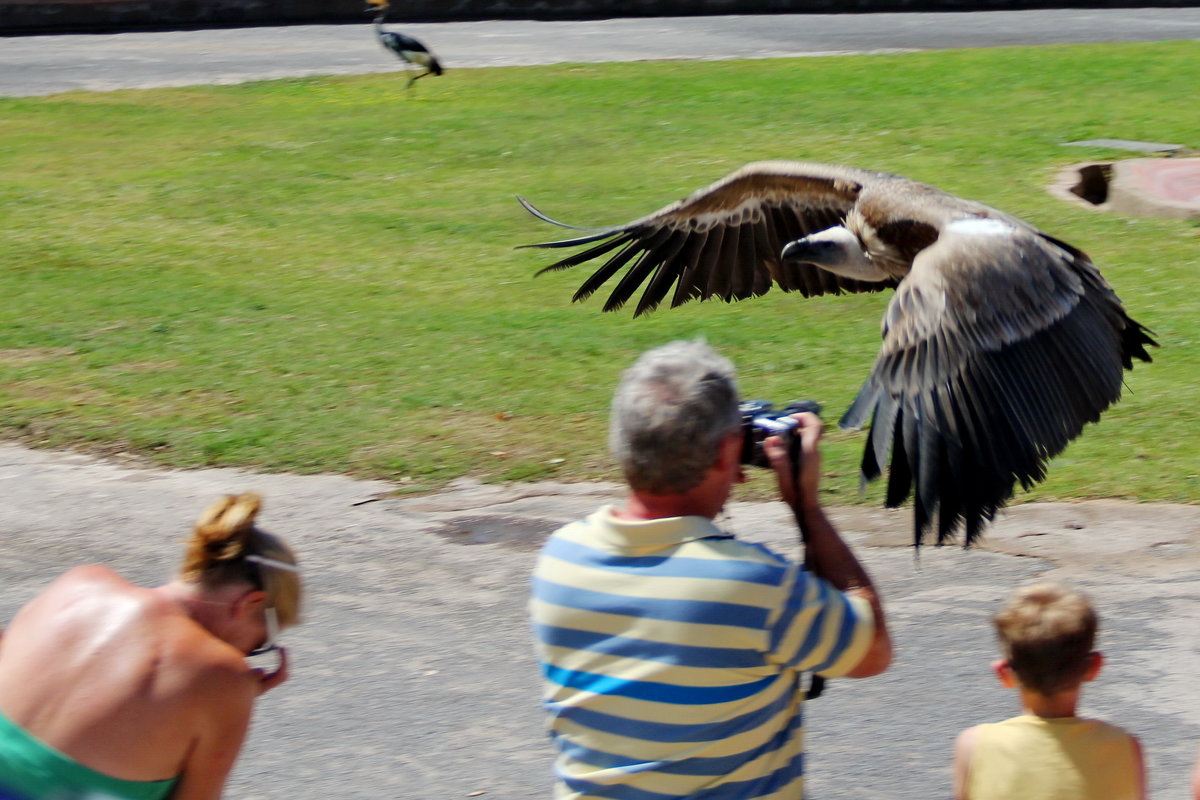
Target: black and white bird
x=999 y=345
x=406 y=48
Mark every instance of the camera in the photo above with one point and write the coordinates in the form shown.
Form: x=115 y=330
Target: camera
x=761 y=419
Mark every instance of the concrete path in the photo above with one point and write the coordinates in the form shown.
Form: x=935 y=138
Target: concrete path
x=413 y=676
x=36 y=65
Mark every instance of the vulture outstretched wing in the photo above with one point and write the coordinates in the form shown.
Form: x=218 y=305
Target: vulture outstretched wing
x=999 y=346
x=723 y=241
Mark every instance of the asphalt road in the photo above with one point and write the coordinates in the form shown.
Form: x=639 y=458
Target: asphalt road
x=34 y=65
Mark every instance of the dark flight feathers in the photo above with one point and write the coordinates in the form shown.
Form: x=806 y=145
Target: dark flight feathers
x=716 y=243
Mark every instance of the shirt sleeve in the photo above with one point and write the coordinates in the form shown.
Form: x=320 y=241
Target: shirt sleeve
x=820 y=629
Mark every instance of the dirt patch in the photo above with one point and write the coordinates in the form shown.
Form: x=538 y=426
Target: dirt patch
x=512 y=532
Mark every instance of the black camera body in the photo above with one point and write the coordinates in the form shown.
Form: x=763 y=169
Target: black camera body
x=761 y=420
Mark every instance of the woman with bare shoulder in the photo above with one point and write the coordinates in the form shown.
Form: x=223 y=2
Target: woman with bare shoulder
x=110 y=690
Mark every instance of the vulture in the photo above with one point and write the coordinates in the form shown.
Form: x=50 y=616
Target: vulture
x=999 y=344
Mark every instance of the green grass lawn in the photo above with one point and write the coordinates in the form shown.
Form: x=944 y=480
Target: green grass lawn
x=319 y=274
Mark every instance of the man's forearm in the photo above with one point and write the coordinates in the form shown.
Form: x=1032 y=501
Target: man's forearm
x=825 y=553
x=827 y=556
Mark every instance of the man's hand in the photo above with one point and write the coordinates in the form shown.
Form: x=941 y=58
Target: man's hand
x=798 y=491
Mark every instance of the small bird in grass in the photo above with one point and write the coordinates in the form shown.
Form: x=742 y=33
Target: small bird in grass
x=999 y=345
x=406 y=48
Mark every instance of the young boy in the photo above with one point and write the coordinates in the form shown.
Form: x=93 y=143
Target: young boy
x=1046 y=634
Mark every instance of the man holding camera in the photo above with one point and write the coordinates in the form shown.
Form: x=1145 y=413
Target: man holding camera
x=672 y=652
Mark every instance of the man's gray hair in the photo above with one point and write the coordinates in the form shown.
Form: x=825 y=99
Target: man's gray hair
x=669 y=414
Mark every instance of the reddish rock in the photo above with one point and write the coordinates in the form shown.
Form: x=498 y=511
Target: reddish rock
x=1156 y=187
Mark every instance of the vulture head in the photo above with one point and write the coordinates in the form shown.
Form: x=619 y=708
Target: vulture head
x=835 y=250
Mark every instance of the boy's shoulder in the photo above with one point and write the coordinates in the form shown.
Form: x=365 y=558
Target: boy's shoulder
x=1096 y=729
x=1105 y=727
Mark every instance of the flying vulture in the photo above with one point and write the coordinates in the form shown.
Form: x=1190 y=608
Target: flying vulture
x=999 y=344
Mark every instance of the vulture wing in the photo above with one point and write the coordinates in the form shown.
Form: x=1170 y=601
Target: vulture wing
x=998 y=347
x=723 y=241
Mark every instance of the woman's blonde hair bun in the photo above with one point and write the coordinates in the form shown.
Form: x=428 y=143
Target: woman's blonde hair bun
x=221 y=533
x=224 y=536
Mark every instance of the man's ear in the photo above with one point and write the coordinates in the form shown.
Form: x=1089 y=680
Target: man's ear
x=1095 y=662
x=730 y=450
x=1004 y=673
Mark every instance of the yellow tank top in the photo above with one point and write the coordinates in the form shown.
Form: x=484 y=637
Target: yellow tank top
x=1033 y=758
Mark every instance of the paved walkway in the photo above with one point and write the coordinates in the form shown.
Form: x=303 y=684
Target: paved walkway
x=413 y=675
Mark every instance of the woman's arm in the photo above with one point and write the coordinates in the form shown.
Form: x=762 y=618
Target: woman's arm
x=228 y=701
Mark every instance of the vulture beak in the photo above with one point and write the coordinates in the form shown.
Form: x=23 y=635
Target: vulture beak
x=831 y=244
x=799 y=250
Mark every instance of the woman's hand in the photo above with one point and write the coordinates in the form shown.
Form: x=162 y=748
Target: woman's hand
x=269 y=680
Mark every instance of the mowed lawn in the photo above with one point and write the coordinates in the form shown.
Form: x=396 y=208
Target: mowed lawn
x=320 y=274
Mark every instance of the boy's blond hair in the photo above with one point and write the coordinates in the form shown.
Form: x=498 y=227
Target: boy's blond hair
x=1047 y=632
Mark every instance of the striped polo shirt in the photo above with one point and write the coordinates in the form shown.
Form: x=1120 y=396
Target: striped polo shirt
x=672 y=655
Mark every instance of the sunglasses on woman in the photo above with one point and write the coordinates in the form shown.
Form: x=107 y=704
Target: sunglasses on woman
x=270 y=616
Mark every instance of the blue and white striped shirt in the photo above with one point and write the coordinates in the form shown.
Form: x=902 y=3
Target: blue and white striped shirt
x=672 y=655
